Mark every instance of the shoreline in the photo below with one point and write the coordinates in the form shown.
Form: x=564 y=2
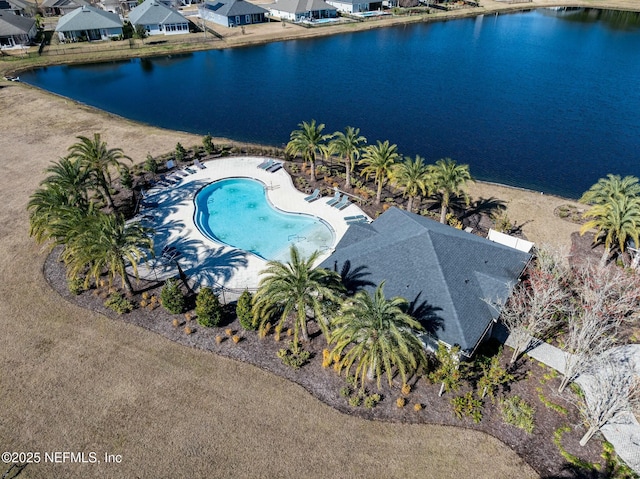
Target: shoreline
x=260 y=34
x=531 y=210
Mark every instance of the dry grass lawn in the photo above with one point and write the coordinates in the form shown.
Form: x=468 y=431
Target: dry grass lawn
x=72 y=380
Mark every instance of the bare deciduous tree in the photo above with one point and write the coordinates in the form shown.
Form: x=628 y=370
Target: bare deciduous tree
x=611 y=292
x=587 y=338
x=534 y=309
x=612 y=389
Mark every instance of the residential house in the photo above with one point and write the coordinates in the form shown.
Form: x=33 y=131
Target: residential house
x=355 y=6
x=299 y=10
x=62 y=7
x=19 y=7
x=451 y=278
x=232 y=13
x=89 y=23
x=16 y=30
x=158 y=19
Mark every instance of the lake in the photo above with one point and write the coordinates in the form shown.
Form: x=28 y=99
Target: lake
x=547 y=100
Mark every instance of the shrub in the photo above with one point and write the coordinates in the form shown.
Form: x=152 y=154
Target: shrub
x=151 y=165
x=355 y=401
x=294 y=359
x=188 y=330
x=171 y=297
x=228 y=332
x=208 y=308
x=517 y=412
x=345 y=392
x=119 y=303
x=372 y=401
x=175 y=322
x=469 y=406
x=219 y=339
x=180 y=152
x=245 y=312
x=417 y=407
x=75 y=285
x=207 y=143
x=400 y=402
x=406 y=389
x=126 y=180
x=236 y=339
x=326 y=358
x=188 y=317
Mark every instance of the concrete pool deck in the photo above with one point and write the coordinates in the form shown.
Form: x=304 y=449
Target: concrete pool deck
x=170 y=212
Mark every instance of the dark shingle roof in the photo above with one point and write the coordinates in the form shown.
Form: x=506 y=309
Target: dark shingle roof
x=11 y=24
x=453 y=271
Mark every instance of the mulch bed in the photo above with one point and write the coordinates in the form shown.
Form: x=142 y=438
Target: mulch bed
x=535 y=383
x=532 y=380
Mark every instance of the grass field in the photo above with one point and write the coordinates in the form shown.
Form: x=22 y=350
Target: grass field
x=72 y=380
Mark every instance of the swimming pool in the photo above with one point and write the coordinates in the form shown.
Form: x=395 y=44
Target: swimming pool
x=237 y=212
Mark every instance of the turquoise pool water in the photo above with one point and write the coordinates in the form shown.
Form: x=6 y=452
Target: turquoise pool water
x=237 y=212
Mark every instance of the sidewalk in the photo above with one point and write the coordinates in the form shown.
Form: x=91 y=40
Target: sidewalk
x=624 y=432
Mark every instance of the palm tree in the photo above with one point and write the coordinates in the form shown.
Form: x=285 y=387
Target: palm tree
x=105 y=242
x=309 y=142
x=96 y=158
x=413 y=177
x=379 y=160
x=52 y=215
x=378 y=336
x=70 y=177
x=290 y=290
x=613 y=186
x=448 y=178
x=615 y=222
x=348 y=145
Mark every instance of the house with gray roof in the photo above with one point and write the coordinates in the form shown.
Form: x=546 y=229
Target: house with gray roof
x=448 y=276
x=158 y=19
x=232 y=13
x=19 y=7
x=89 y=23
x=61 y=7
x=300 y=10
x=16 y=30
x=355 y=6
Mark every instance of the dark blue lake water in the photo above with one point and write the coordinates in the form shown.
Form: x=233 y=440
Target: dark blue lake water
x=543 y=100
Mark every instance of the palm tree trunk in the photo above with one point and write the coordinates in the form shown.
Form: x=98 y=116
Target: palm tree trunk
x=443 y=214
x=585 y=439
x=313 y=170
x=379 y=193
x=347 y=181
x=605 y=257
x=127 y=284
x=410 y=204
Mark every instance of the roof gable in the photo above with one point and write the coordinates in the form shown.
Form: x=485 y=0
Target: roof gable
x=453 y=271
x=11 y=24
x=152 y=12
x=88 y=18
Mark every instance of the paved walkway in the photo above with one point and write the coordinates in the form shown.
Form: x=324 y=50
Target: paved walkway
x=624 y=431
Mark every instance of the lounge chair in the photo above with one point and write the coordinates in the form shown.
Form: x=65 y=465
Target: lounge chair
x=275 y=167
x=357 y=220
x=170 y=253
x=335 y=199
x=313 y=196
x=199 y=164
x=265 y=165
x=344 y=202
